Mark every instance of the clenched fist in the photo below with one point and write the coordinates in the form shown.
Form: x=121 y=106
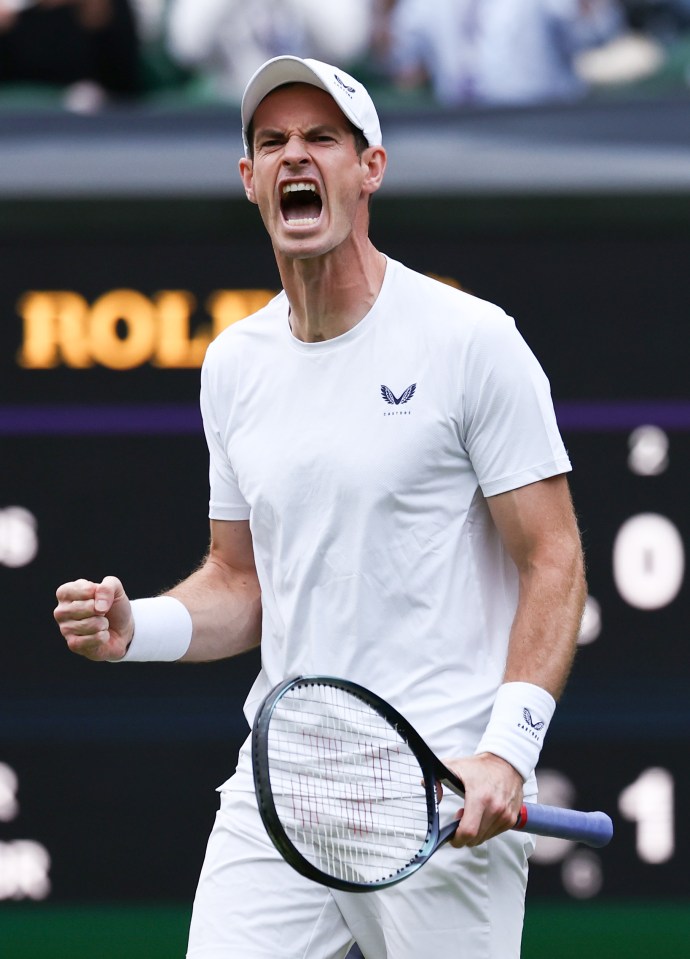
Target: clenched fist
x=95 y=618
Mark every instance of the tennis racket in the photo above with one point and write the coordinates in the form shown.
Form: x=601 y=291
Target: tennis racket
x=347 y=789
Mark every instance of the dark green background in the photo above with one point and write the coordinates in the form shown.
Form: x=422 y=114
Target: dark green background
x=129 y=932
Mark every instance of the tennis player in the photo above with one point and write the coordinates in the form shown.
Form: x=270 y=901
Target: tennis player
x=389 y=504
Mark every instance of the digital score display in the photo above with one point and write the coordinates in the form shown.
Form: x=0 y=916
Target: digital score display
x=620 y=736
x=107 y=773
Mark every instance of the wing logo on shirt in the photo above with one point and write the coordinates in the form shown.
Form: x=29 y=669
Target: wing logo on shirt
x=530 y=722
x=405 y=397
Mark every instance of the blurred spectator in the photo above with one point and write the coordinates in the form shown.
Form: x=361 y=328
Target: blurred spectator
x=88 y=47
x=653 y=54
x=497 y=51
x=228 y=40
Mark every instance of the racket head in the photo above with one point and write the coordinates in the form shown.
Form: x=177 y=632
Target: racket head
x=307 y=749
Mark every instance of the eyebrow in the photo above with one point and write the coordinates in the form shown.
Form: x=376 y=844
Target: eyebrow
x=275 y=134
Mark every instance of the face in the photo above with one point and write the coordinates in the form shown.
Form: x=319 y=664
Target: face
x=311 y=186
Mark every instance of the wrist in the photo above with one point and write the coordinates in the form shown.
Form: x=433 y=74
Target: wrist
x=519 y=721
x=498 y=762
x=162 y=630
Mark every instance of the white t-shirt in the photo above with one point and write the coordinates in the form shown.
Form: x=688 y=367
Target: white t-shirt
x=363 y=463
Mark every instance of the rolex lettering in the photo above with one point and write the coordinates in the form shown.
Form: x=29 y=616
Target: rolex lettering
x=519 y=720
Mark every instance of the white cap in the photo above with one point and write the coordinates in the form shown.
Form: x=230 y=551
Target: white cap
x=348 y=93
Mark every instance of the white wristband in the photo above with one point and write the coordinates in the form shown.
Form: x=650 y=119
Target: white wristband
x=162 y=630
x=519 y=721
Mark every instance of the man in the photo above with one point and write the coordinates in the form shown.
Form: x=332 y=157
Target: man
x=388 y=504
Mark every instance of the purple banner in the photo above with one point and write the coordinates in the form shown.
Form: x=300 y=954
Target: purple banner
x=587 y=416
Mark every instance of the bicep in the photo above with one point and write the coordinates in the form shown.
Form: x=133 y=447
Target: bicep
x=537 y=521
x=232 y=546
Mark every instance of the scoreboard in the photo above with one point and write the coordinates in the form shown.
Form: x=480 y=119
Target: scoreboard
x=107 y=774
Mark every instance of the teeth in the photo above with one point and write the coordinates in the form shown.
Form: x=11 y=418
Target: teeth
x=303 y=221
x=296 y=187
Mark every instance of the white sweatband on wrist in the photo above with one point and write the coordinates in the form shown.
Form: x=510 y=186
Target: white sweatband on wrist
x=518 y=724
x=162 y=631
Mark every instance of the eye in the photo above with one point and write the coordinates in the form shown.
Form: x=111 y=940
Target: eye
x=269 y=143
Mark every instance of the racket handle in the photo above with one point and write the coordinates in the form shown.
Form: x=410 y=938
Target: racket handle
x=592 y=828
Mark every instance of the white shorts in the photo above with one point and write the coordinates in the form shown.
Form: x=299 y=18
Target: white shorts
x=250 y=904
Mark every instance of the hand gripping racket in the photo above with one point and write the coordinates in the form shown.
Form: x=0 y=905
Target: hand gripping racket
x=347 y=789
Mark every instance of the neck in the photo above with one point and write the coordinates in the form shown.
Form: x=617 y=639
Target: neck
x=331 y=293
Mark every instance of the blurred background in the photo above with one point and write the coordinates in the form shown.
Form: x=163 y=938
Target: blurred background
x=540 y=158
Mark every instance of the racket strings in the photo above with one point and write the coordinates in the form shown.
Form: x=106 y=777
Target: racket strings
x=347 y=788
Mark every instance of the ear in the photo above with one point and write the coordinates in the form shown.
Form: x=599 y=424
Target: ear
x=247 y=174
x=375 y=159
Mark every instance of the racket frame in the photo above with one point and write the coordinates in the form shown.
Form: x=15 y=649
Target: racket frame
x=429 y=765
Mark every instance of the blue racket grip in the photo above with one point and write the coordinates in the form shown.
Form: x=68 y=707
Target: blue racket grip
x=592 y=828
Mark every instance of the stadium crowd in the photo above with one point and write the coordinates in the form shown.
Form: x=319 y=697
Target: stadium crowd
x=454 y=52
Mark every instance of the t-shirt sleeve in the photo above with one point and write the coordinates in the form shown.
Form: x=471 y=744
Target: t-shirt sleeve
x=509 y=423
x=226 y=501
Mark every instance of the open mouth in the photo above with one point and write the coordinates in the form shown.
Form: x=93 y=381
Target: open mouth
x=300 y=203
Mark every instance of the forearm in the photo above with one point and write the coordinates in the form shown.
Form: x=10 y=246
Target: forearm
x=542 y=646
x=538 y=527
x=544 y=634
x=225 y=607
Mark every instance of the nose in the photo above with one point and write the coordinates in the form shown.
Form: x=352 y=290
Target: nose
x=295 y=150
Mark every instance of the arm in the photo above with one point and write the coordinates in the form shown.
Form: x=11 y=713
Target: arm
x=222 y=597
x=538 y=527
